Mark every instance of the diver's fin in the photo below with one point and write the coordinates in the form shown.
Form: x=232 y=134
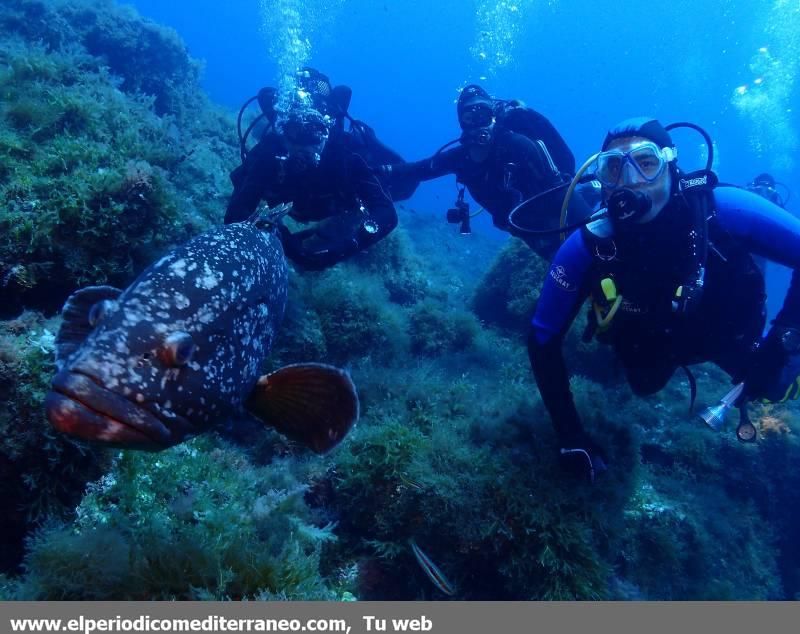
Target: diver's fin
x=312 y=403
x=76 y=327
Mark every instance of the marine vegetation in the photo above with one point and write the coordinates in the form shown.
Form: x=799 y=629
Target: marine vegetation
x=200 y=521
x=448 y=488
x=42 y=473
x=109 y=151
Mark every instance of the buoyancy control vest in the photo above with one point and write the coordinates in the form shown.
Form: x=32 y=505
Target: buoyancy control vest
x=635 y=274
x=516 y=117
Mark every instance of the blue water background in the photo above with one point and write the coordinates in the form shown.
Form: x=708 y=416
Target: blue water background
x=584 y=64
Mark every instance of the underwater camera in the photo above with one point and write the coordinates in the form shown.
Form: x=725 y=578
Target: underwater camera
x=459 y=213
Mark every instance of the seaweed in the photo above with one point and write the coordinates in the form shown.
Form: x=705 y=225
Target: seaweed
x=109 y=155
x=102 y=135
x=197 y=521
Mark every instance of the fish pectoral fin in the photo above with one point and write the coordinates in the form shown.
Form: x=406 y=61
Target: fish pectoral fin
x=76 y=326
x=312 y=403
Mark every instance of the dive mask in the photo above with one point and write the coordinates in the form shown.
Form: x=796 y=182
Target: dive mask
x=305 y=130
x=645 y=162
x=306 y=127
x=306 y=134
x=477 y=123
x=478 y=115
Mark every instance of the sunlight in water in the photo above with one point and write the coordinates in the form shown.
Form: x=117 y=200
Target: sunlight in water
x=766 y=101
x=289 y=28
x=498 y=25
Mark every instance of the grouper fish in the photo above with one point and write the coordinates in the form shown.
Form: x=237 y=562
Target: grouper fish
x=180 y=350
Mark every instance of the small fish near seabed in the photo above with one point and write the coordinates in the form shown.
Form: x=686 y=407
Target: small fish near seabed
x=180 y=349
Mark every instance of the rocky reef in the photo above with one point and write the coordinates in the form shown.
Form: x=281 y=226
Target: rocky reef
x=109 y=150
x=110 y=154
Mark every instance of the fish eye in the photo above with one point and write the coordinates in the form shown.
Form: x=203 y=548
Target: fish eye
x=98 y=310
x=178 y=349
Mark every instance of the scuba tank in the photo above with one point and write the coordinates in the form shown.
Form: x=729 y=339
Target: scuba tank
x=267 y=98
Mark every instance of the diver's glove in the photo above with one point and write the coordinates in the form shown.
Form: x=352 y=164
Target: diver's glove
x=582 y=458
x=308 y=252
x=293 y=242
x=774 y=373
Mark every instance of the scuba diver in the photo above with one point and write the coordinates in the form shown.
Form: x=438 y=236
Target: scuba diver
x=326 y=184
x=308 y=158
x=669 y=270
x=315 y=90
x=765 y=186
x=506 y=155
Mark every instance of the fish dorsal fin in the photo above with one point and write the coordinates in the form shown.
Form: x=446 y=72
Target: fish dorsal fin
x=76 y=327
x=312 y=403
x=266 y=218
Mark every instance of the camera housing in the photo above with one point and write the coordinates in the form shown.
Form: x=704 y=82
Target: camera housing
x=459 y=213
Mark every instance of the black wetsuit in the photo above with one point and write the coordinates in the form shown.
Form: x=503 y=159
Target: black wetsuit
x=515 y=169
x=342 y=191
x=649 y=339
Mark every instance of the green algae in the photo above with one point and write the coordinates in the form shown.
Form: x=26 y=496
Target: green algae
x=107 y=160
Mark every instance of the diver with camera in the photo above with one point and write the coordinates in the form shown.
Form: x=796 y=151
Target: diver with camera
x=668 y=267
x=506 y=154
x=305 y=160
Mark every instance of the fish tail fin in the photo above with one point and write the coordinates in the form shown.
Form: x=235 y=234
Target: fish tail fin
x=312 y=403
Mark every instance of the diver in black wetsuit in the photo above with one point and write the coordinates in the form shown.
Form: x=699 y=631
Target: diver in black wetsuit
x=765 y=186
x=325 y=182
x=507 y=154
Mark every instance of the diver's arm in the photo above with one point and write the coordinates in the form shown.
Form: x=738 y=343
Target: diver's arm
x=259 y=167
x=377 y=202
x=380 y=220
x=768 y=231
x=430 y=168
x=563 y=292
x=773 y=371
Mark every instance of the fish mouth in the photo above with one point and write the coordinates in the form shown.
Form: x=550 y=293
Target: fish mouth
x=78 y=405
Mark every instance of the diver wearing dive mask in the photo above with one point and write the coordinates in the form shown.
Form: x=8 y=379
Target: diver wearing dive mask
x=630 y=260
x=505 y=153
x=765 y=186
x=326 y=183
x=306 y=133
x=477 y=122
x=636 y=181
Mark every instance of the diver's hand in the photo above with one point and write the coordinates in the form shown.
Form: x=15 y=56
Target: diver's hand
x=774 y=374
x=583 y=459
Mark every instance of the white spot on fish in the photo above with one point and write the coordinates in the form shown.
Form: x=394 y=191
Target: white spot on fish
x=209 y=279
x=179 y=268
x=181 y=301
